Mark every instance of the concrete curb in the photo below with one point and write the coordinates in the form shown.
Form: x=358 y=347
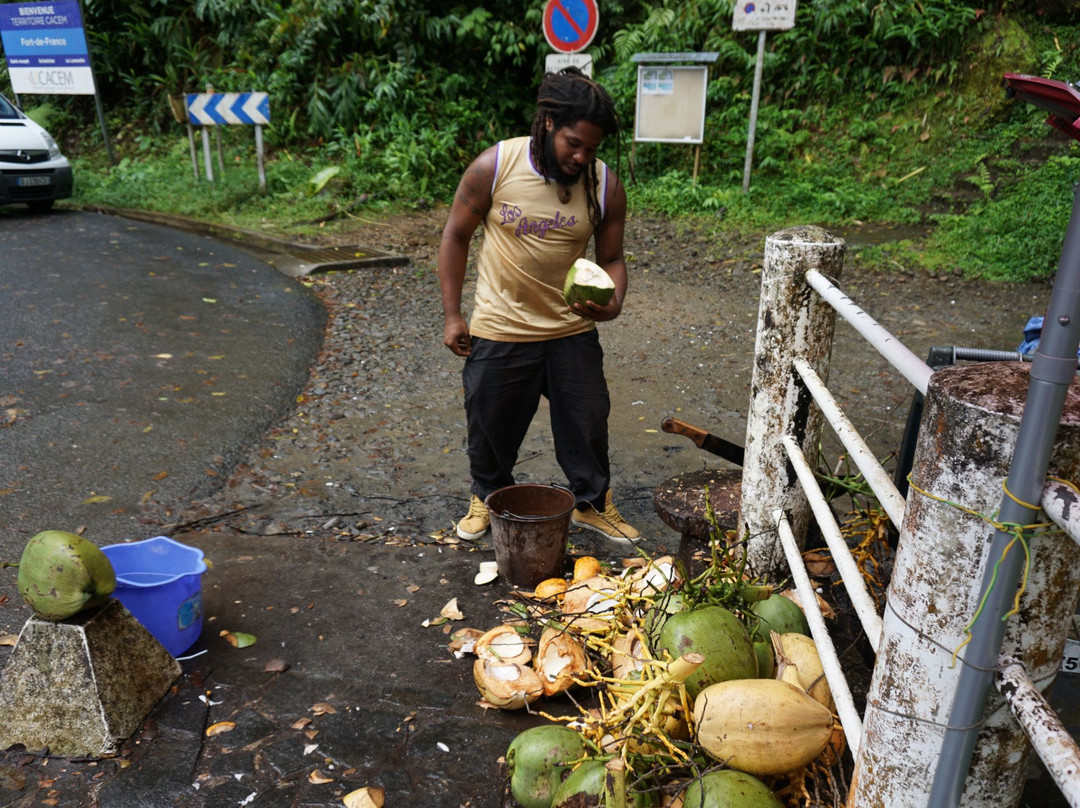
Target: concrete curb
x=291 y=258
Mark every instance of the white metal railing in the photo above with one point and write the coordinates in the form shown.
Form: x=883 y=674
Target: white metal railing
x=913 y=369
x=850 y=719
x=1050 y=739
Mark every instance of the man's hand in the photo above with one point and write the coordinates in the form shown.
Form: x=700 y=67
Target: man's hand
x=456 y=336
x=594 y=311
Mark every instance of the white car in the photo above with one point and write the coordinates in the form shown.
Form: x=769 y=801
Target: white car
x=32 y=169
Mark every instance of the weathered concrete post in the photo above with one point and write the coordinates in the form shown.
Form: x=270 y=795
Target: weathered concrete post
x=792 y=322
x=81 y=686
x=965 y=446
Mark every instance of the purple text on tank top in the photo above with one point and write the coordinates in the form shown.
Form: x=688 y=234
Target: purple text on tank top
x=537 y=227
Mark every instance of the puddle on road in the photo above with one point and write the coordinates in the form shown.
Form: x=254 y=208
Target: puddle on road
x=870 y=235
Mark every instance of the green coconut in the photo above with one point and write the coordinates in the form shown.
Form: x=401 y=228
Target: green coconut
x=587 y=281
x=537 y=759
x=728 y=788
x=666 y=605
x=61 y=574
x=777 y=613
x=719 y=636
x=766 y=658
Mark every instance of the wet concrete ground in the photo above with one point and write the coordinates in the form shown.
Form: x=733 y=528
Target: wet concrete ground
x=331 y=540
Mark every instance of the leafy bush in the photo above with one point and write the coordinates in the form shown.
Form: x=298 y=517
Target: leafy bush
x=1017 y=234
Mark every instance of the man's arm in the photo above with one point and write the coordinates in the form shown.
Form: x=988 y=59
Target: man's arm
x=471 y=202
x=609 y=253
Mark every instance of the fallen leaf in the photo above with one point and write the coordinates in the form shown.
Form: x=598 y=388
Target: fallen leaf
x=412 y=589
x=323 y=708
x=369 y=797
x=162 y=356
x=96 y=499
x=276 y=666
x=300 y=723
x=220 y=727
x=238 y=639
x=317 y=777
x=8 y=639
x=400 y=601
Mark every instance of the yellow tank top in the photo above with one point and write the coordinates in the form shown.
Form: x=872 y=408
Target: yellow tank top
x=530 y=241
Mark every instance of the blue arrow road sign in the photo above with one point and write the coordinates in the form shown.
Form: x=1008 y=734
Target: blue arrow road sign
x=210 y=109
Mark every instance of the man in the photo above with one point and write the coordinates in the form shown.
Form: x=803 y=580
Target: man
x=540 y=198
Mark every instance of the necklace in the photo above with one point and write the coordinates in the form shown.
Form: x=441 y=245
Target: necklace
x=563 y=193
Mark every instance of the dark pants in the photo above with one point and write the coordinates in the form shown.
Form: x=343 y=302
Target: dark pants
x=503 y=384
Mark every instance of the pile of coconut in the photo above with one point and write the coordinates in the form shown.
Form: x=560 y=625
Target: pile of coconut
x=704 y=692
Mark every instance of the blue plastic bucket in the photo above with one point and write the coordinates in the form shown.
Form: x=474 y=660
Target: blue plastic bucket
x=158 y=581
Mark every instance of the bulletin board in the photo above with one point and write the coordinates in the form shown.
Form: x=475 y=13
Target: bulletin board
x=671 y=103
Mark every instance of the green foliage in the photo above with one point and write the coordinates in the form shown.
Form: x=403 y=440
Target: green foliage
x=1016 y=234
x=889 y=112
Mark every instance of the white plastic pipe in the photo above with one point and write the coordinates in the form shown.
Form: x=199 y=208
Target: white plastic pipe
x=830 y=662
x=899 y=355
x=841 y=553
x=880 y=482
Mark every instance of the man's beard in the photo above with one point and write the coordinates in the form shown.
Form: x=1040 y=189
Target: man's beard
x=552 y=169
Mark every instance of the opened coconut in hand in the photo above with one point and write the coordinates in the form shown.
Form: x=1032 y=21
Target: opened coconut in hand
x=587 y=281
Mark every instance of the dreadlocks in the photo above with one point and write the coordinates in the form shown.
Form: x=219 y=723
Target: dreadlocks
x=565 y=98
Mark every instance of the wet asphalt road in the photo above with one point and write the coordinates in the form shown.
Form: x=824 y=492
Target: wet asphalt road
x=136 y=363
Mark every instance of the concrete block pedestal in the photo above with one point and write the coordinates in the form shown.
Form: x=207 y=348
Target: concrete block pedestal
x=80 y=687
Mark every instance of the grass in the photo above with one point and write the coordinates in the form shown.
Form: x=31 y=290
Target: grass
x=994 y=197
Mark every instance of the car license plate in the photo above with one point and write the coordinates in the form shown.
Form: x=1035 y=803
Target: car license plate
x=24 y=182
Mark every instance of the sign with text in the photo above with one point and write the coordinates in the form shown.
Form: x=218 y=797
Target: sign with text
x=45 y=48
x=763 y=15
x=554 y=62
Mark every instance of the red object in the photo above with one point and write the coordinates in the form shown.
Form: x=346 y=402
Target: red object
x=570 y=25
x=1060 y=99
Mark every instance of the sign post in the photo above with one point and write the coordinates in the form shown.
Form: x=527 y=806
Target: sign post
x=46 y=52
x=569 y=27
x=755 y=15
x=214 y=109
x=671 y=100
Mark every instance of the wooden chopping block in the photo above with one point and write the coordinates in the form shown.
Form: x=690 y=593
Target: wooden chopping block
x=680 y=501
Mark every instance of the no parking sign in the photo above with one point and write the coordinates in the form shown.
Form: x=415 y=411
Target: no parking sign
x=570 y=25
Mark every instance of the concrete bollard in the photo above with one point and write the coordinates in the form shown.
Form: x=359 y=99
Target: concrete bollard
x=792 y=322
x=965 y=446
x=80 y=687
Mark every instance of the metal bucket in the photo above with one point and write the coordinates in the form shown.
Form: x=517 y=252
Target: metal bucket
x=530 y=525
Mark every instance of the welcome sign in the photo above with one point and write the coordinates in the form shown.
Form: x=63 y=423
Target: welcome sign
x=45 y=47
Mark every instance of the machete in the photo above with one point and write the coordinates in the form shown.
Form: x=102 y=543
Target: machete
x=729 y=451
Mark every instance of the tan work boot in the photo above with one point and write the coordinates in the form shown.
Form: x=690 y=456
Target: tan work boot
x=477 y=522
x=609 y=522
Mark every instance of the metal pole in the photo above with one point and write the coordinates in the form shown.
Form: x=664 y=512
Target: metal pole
x=1052 y=370
x=753 y=111
x=208 y=162
x=97 y=96
x=194 y=157
x=259 y=157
